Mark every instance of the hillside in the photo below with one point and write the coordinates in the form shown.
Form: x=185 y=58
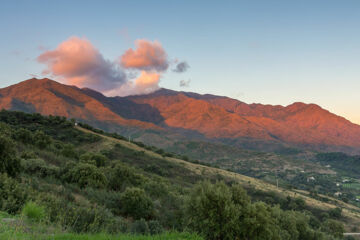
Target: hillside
x=170 y=116
x=87 y=180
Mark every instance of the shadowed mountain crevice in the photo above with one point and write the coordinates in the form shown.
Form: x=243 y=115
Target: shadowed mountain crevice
x=127 y=108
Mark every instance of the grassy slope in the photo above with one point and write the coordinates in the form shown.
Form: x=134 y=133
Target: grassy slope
x=350 y=212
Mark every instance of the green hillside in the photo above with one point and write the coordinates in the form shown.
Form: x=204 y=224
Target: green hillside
x=70 y=180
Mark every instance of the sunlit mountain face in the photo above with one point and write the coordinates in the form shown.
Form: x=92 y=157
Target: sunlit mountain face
x=208 y=117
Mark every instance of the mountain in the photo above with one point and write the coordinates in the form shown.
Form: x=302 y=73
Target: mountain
x=49 y=97
x=209 y=117
x=222 y=117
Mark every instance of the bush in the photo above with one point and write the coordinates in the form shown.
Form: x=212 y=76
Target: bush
x=155 y=227
x=135 y=203
x=217 y=211
x=39 y=168
x=69 y=151
x=334 y=228
x=33 y=211
x=140 y=227
x=12 y=194
x=96 y=159
x=41 y=140
x=85 y=219
x=9 y=163
x=86 y=175
x=23 y=135
x=122 y=176
x=335 y=212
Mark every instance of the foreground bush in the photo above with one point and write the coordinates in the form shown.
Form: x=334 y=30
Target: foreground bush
x=33 y=211
x=219 y=212
x=9 y=163
x=136 y=203
x=12 y=194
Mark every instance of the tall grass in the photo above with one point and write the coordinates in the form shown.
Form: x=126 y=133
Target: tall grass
x=165 y=236
x=33 y=211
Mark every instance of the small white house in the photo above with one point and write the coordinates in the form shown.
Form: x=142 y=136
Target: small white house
x=337 y=194
x=311 y=179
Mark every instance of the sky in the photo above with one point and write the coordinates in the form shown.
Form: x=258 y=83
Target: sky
x=270 y=52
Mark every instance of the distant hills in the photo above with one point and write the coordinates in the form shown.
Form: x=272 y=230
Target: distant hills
x=173 y=114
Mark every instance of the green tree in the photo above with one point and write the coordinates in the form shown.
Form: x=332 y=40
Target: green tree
x=122 y=176
x=212 y=211
x=335 y=212
x=23 y=135
x=257 y=223
x=86 y=175
x=219 y=212
x=333 y=227
x=135 y=203
x=96 y=159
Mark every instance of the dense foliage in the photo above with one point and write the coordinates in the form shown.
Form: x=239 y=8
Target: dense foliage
x=52 y=171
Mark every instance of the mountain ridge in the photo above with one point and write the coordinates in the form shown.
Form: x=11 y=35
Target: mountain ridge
x=211 y=116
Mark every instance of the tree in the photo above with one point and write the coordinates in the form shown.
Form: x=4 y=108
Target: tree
x=86 y=175
x=258 y=223
x=333 y=227
x=135 y=203
x=335 y=212
x=23 y=135
x=96 y=159
x=122 y=176
x=214 y=211
x=219 y=212
x=9 y=163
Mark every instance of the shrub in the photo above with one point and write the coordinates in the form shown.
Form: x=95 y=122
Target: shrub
x=12 y=194
x=219 y=212
x=33 y=211
x=69 y=151
x=335 y=212
x=333 y=227
x=86 y=175
x=140 y=227
x=109 y=199
x=23 y=135
x=85 y=219
x=96 y=159
x=41 y=140
x=40 y=168
x=122 y=176
x=9 y=163
x=117 y=225
x=28 y=155
x=135 y=203
x=155 y=227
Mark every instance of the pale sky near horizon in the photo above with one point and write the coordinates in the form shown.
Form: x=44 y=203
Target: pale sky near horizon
x=270 y=52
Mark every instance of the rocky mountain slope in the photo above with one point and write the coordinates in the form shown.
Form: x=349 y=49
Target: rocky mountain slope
x=209 y=116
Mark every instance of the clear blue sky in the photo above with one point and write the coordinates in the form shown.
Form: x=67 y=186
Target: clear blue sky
x=274 y=52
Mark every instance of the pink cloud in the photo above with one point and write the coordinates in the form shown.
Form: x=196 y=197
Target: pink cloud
x=147 y=82
x=77 y=62
x=147 y=56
